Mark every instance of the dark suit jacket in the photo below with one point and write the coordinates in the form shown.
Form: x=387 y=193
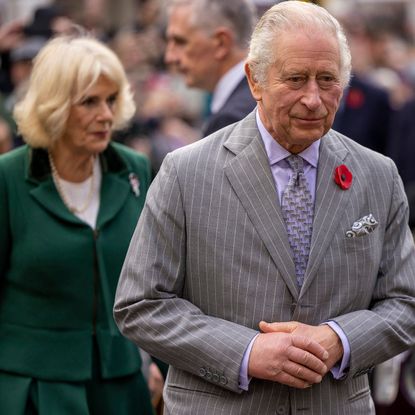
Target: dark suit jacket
x=402 y=147
x=238 y=106
x=365 y=115
x=402 y=150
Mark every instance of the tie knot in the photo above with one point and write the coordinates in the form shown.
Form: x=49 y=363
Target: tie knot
x=296 y=163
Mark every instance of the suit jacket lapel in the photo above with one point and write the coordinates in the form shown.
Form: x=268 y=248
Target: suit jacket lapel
x=250 y=176
x=330 y=203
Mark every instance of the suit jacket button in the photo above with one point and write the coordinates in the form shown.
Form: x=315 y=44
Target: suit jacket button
x=215 y=377
x=202 y=372
x=281 y=410
x=223 y=380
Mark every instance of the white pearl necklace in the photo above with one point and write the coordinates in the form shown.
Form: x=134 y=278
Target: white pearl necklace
x=65 y=199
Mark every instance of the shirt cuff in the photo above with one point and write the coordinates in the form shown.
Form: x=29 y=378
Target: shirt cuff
x=339 y=371
x=243 y=372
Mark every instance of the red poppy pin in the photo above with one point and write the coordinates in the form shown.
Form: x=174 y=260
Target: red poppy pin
x=355 y=98
x=343 y=177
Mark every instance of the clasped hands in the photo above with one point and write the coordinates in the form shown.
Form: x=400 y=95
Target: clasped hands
x=293 y=353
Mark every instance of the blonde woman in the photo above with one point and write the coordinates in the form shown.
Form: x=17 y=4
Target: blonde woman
x=70 y=200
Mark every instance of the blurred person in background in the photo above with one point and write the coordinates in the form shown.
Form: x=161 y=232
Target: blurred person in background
x=11 y=35
x=45 y=22
x=6 y=137
x=48 y=21
x=70 y=202
x=21 y=44
x=380 y=40
x=149 y=24
x=167 y=111
x=21 y=63
x=365 y=112
x=207 y=43
x=390 y=52
x=403 y=151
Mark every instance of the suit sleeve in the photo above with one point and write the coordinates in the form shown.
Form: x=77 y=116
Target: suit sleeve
x=387 y=328
x=151 y=306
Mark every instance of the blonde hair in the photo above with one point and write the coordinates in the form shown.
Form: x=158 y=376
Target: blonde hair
x=65 y=68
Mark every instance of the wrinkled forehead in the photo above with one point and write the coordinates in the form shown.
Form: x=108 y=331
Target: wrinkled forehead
x=306 y=45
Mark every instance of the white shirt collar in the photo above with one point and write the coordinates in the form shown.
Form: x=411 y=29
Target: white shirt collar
x=226 y=86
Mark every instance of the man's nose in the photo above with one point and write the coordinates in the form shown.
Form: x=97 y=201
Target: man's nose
x=170 y=55
x=311 y=97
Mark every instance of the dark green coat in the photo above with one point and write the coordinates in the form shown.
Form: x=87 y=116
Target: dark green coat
x=58 y=276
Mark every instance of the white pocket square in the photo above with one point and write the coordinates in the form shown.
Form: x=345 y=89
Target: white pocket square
x=363 y=226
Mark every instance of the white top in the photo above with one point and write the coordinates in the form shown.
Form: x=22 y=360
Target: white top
x=77 y=193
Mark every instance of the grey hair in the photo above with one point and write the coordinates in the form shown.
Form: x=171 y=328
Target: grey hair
x=291 y=16
x=237 y=15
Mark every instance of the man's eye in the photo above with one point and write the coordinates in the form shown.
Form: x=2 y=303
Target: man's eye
x=296 y=79
x=327 y=81
x=178 y=41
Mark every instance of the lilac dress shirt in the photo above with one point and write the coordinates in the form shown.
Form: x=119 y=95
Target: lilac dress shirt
x=281 y=172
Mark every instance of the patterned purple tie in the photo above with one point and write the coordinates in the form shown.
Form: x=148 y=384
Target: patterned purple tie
x=297 y=210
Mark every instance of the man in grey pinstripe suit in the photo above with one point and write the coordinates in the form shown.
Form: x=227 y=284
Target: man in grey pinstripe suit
x=210 y=260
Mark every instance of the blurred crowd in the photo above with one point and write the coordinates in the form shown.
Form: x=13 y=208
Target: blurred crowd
x=379 y=106
x=376 y=108
x=168 y=114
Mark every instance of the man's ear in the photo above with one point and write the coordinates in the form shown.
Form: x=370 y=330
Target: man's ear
x=224 y=42
x=254 y=86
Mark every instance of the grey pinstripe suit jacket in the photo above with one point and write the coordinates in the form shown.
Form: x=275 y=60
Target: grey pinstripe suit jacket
x=210 y=258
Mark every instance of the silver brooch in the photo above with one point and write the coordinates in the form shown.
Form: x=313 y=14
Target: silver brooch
x=134 y=183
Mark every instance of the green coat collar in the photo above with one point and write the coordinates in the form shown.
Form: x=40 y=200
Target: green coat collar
x=115 y=186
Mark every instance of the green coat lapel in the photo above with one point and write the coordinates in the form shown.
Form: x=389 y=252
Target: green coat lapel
x=115 y=189
x=115 y=186
x=44 y=191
